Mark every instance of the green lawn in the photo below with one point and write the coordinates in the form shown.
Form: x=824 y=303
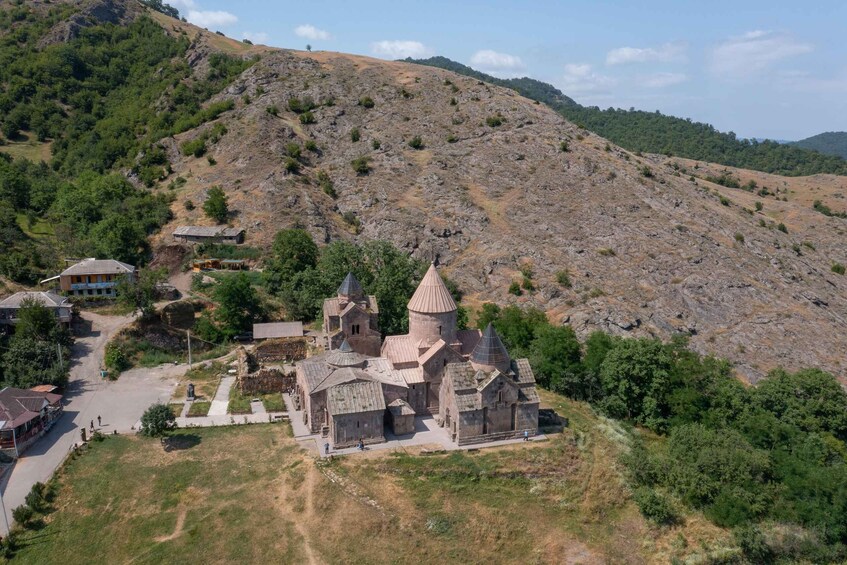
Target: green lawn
x=199 y=409
x=204 y=501
x=273 y=402
x=238 y=403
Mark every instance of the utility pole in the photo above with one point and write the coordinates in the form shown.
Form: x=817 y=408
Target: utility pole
x=59 y=351
x=188 y=333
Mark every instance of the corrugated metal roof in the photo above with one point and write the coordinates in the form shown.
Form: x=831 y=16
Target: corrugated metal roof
x=18 y=406
x=277 y=329
x=49 y=299
x=99 y=267
x=207 y=231
x=355 y=397
x=432 y=296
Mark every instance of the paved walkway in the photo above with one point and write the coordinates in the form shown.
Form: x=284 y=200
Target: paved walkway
x=228 y=420
x=258 y=407
x=221 y=400
x=427 y=433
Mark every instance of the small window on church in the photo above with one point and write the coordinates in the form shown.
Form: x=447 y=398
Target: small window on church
x=500 y=396
x=439 y=330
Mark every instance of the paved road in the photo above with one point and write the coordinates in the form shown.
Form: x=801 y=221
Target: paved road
x=119 y=403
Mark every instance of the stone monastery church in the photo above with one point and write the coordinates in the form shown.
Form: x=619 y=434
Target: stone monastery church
x=465 y=379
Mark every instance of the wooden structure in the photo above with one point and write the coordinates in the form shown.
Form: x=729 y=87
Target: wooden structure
x=213 y=264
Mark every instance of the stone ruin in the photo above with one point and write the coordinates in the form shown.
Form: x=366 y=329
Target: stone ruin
x=253 y=378
x=283 y=350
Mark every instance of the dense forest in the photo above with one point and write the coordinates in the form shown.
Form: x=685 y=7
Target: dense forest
x=653 y=132
x=101 y=101
x=829 y=143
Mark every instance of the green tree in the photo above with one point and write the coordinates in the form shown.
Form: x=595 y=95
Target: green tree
x=216 y=205
x=238 y=305
x=139 y=293
x=157 y=420
x=555 y=356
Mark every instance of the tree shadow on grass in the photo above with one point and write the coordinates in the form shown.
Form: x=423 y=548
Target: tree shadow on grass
x=180 y=442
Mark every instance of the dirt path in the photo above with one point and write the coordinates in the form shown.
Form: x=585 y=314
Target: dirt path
x=300 y=519
x=180 y=522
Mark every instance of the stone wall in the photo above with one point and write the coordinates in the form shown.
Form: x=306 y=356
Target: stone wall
x=347 y=429
x=265 y=381
x=281 y=350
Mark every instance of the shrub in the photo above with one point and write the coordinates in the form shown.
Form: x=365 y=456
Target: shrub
x=515 y=288
x=739 y=237
x=527 y=284
x=606 y=252
x=564 y=147
x=838 y=268
x=654 y=506
x=494 y=121
x=307 y=118
x=189 y=205
x=361 y=165
x=724 y=200
x=416 y=142
x=157 y=420
x=326 y=184
x=115 y=358
x=37 y=497
x=366 y=102
x=453 y=102
x=291 y=166
x=211 y=160
x=563 y=277
x=292 y=150
x=781 y=227
x=355 y=135
x=195 y=147
x=23 y=515
x=296 y=106
x=646 y=172
x=759 y=206
x=272 y=110
x=310 y=145
x=452 y=138
x=375 y=144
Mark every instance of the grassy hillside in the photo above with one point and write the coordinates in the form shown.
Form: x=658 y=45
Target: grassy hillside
x=653 y=132
x=829 y=143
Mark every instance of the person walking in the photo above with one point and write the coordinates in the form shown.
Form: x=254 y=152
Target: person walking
x=526 y=435
x=98 y=422
x=326 y=448
x=92 y=425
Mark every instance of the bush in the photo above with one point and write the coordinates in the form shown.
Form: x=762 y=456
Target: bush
x=375 y=144
x=291 y=166
x=494 y=121
x=838 y=268
x=563 y=147
x=195 y=147
x=115 y=358
x=452 y=138
x=563 y=277
x=189 y=205
x=416 y=142
x=654 y=506
x=157 y=420
x=355 y=135
x=307 y=118
x=211 y=160
x=515 y=288
x=646 y=172
x=272 y=110
x=725 y=201
x=37 y=498
x=361 y=165
x=23 y=515
x=326 y=184
x=739 y=237
x=781 y=227
x=759 y=206
x=310 y=145
x=292 y=150
x=366 y=102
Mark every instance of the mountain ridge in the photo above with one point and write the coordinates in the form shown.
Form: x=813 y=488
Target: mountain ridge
x=829 y=143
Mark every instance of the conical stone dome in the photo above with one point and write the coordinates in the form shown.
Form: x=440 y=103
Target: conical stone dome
x=351 y=287
x=432 y=295
x=490 y=353
x=344 y=356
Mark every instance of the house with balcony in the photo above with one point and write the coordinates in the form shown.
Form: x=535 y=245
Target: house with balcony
x=59 y=305
x=94 y=278
x=26 y=415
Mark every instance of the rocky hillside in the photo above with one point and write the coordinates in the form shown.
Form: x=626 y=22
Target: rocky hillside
x=475 y=177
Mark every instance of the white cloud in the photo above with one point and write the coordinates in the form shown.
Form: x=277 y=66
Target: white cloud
x=580 y=78
x=661 y=80
x=753 y=52
x=256 y=37
x=497 y=63
x=311 y=32
x=400 y=49
x=211 y=18
x=183 y=5
x=667 y=53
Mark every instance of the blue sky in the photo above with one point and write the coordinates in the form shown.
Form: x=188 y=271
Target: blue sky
x=761 y=69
